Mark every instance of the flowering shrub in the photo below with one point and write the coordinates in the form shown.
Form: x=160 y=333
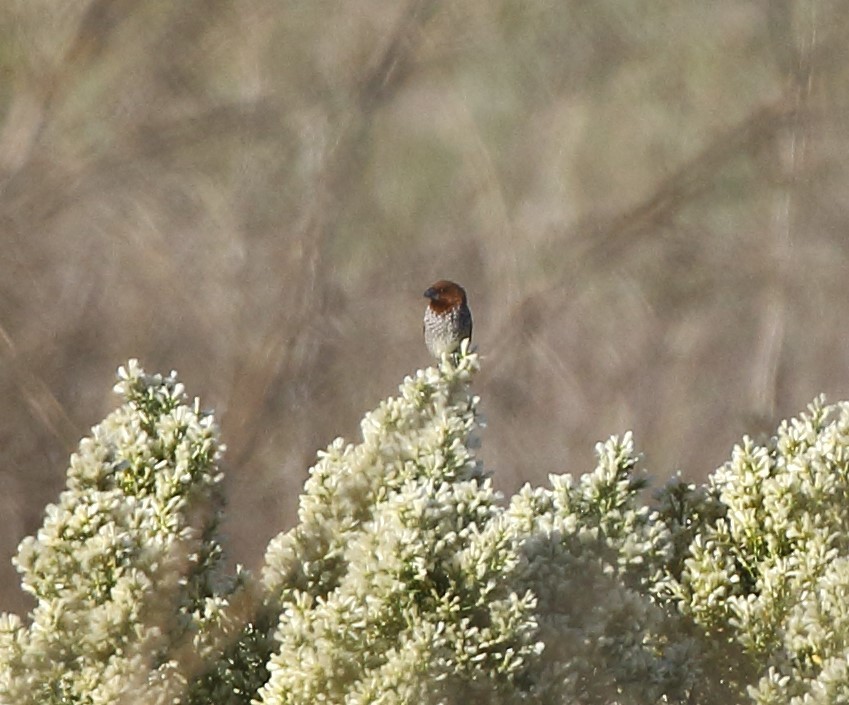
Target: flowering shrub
x=409 y=579
x=132 y=605
x=769 y=575
x=392 y=586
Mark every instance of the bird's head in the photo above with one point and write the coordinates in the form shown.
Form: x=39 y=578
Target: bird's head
x=445 y=295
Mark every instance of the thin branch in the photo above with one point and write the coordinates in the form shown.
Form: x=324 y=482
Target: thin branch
x=287 y=353
x=600 y=243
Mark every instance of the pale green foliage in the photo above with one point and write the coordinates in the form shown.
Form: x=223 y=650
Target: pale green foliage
x=590 y=552
x=130 y=603
x=770 y=576
x=408 y=578
x=392 y=585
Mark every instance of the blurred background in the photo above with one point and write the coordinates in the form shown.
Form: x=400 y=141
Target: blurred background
x=648 y=204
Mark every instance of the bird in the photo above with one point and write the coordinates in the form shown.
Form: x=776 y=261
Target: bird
x=447 y=318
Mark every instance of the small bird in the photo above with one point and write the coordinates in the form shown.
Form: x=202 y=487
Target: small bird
x=447 y=319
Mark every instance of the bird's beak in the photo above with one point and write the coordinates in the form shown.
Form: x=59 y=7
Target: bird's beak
x=430 y=293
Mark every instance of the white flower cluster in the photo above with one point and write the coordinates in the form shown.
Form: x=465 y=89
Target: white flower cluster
x=768 y=578
x=130 y=603
x=593 y=557
x=408 y=579
x=392 y=586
